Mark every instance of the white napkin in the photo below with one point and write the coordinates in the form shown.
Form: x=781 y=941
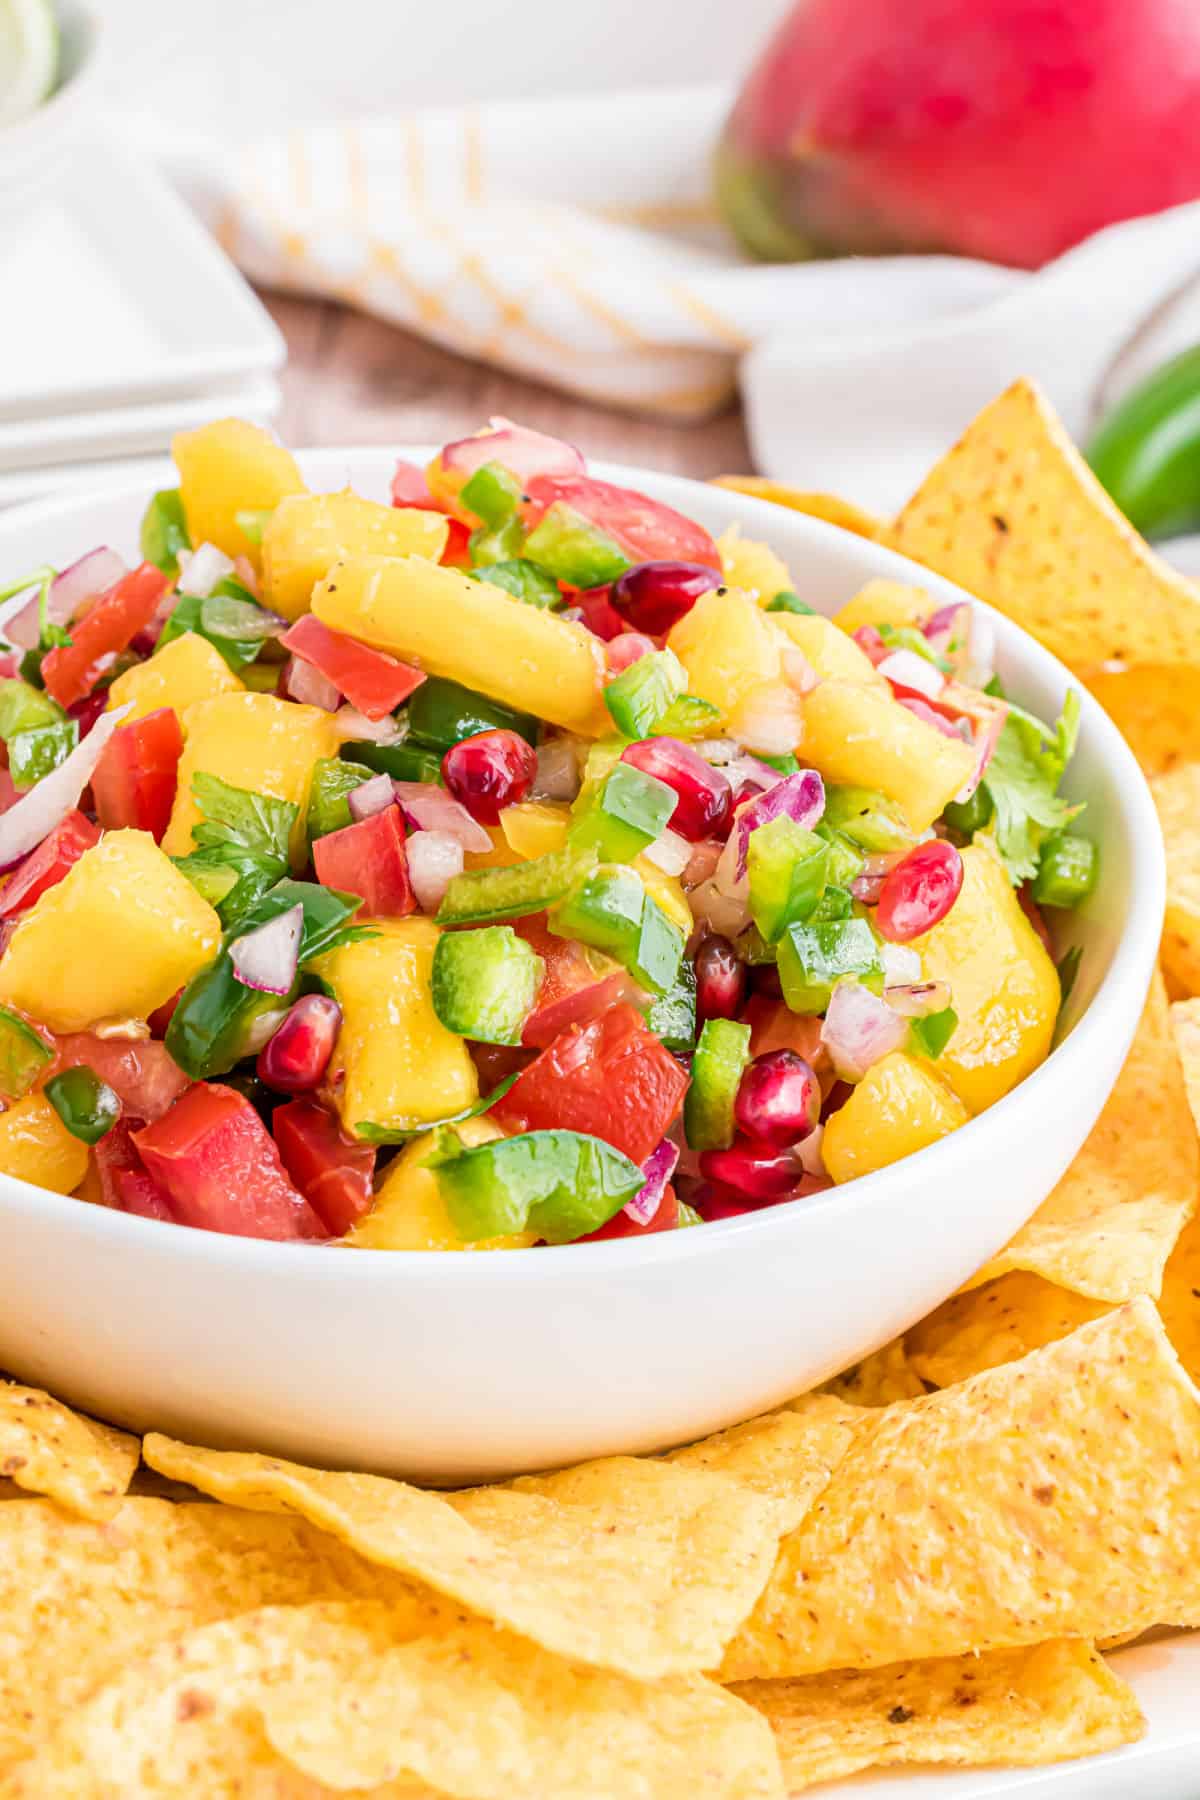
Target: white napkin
x=575 y=240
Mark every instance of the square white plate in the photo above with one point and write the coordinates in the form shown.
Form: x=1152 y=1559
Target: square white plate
x=38 y=446
x=117 y=295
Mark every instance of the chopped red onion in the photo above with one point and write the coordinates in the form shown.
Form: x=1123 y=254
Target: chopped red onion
x=200 y=571
x=870 y=642
x=967 y=636
x=908 y=670
x=263 y=1029
x=429 y=808
x=409 y=486
x=670 y=853
x=917 y=999
x=523 y=452
x=92 y=575
x=726 y=914
x=434 y=859
x=658 y=1169
x=266 y=958
x=718 y=751
x=859 y=1029
x=870 y=878
x=307 y=685
x=809 y=1151
x=800 y=797
x=703 y=862
x=557 y=775
x=798 y=672
x=988 y=736
x=46 y=805
x=378 y=731
x=374 y=796
x=770 y=719
x=747 y=771
x=901 y=964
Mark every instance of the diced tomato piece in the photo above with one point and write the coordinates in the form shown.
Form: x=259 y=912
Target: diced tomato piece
x=646 y=530
x=140 y=1194
x=621 y=1225
x=773 y=1026
x=133 y=784
x=457 y=554
x=141 y=1072
x=369 y=859
x=612 y=1079
x=102 y=633
x=371 y=680
x=573 y=990
x=8 y=793
x=219 y=1165
x=10 y=665
x=162 y=1015
x=920 y=708
x=44 y=867
x=125 y=1183
x=335 y=1174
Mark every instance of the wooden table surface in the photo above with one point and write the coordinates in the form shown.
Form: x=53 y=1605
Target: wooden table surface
x=352 y=379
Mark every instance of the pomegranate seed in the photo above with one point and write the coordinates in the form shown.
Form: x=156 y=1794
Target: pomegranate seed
x=489 y=771
x=779 y=1099
x=720 y=980
x=919 y=891
x=296 y=1058
x=760 y=1171
x=714 y=1202
x=86 y=712
x=653 y=596
x=705 y=797
x=764 y=980
x=598 y=614
x=629 y=647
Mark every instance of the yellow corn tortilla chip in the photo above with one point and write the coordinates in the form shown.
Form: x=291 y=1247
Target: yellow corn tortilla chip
x=830 y=507
x=649 y=1574
x=995 y=1324
x=1009 y=1706
x=885 y=1376
x=1180 y=1304
x=1055 y=1496
x=789 y=1455
x=1157 y=711
x=1108 y=1227
x=79 y=1599
x=1013 y=514
x=316 y=1700
x=46 y=1448
x=1177 y=797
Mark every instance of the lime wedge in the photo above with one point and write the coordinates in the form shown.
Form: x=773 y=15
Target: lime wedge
x=28 y=56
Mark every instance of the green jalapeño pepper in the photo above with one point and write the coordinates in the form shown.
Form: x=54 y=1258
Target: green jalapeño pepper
x=441 y=713
x=717 y=1068
x=560 y=1184
x=24 y=1053
x=1146 y=452
x=165 y=531
x=574 y=550
x=523 y=580
x=86 y=1105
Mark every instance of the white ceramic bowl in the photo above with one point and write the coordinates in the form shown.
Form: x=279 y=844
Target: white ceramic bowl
x=454 y=1368
x=36 y=151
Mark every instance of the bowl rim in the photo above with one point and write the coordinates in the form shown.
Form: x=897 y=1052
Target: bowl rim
x=1113 y=1009
x=87 y=25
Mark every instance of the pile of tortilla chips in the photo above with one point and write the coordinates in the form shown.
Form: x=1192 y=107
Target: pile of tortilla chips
x=915 y=1566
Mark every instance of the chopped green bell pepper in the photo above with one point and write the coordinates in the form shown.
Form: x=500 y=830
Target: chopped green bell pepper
x=23 y=1054
x=32 y=754
x=628 y=812
x=165 y=531
x=813 y=958
x=640 y=695
x=25 y=708
x=868 y=819
x=672 y=1017
x=523 y=580
x=610 y=909
x=787 y=867
x=574 y=550
x=717 y=1067
x=931 y=1034
x=408 y=761
x=442 y=713
x=845 y=859
x=333 y=781
x=1067 y=870
x=786 y=601
x=783 y=762
x=907 y=637
x=482 y=895
x=970 y=816
x=492 y=494
x=560 y=1184
x=687 y=717
x=87 y=1106
x=484 y=983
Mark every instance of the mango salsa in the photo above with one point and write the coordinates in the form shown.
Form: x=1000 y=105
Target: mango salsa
x=184 y=672
x=883 y=602
x=536 y=827
x=752 y=566
x=308 y=533
x=255 y=741
x=403 y=1069
x=117 y=937
x=1004 y=986
x=728 y=647
x=862 y=737
x=899 y=1106
x=36 y=1146
x=226 y=468
x=409 y=1212
x=833 y=655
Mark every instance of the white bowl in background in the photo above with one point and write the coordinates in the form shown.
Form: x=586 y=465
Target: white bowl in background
x=36 y=151
x=454 y=1368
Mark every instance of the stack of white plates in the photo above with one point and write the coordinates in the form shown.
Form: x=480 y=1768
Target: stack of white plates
x=121 y=322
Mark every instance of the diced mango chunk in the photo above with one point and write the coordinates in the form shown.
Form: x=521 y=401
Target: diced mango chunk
x=752 y=566
x=833 y=655
x=308 y=533
x=884 y=602
x=251 y=741
x=115 y=938
x=184 y=672
x=469 y=631
x=862 y=737
x=409 y=1212
x=403 y=1069
x=1003 y=985
x=899 y=1106
x=226 y=468
x=728 y=647
x=36 y=1146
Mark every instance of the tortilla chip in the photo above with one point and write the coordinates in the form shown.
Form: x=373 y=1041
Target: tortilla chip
x=995 y=1324
x=1108 y=1227
x=48 y=1449
x=1013 y=514
x=1156 y=710
x=315 y=1700
x=1056 y=1496
x=789 y=1455
x=830 y=507
x=1177 y=797
x=1010 y=1706
x=649 y=1572
x=78 y=1599
x=1180 y=1305
x=885 y=1376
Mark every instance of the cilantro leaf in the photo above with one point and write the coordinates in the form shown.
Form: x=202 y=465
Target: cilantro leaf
x=1022 y=780
x=239 y=819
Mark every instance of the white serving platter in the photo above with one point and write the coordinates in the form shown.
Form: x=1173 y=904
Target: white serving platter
x=35 y=446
